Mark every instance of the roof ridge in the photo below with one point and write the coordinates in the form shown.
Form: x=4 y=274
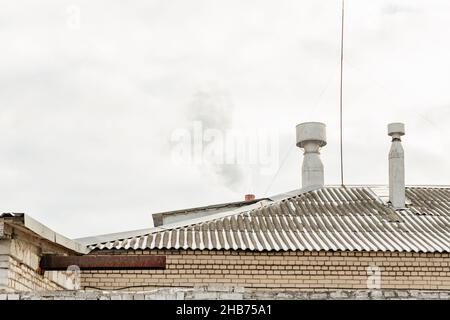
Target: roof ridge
x=221 y=215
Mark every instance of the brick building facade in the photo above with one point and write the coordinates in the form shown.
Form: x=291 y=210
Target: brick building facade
x=280 y=270
x=326 y=239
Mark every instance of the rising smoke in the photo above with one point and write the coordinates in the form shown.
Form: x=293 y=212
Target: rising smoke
x=214 y=109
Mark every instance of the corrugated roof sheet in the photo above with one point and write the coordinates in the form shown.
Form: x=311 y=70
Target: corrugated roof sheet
x=330 y=218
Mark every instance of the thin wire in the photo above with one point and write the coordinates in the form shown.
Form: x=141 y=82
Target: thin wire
x=129 y=287
x=279 y=168
x=330 y=78
x=332 y=75
x=340 y=95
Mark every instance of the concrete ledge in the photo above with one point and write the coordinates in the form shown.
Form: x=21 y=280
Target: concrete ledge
x=229 y=293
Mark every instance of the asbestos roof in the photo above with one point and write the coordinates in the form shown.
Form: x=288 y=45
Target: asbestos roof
x=330 y=218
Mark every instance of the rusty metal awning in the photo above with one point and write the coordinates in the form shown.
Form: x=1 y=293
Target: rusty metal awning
x=54 y=262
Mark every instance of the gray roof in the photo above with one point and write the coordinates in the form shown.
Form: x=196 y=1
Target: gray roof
x=330 y=218
x=183 y=214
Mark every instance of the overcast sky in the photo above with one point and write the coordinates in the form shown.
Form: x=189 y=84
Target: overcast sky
x=91 y=93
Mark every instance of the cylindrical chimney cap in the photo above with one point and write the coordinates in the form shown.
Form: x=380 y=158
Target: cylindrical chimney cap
x=311 y=132
x=396 y=128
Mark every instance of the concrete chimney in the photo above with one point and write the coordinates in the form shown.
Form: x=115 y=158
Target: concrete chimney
x=396 y=166
x=311 y=137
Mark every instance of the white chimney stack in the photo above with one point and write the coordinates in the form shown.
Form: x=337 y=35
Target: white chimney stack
x=311 y=137
x=396 y=166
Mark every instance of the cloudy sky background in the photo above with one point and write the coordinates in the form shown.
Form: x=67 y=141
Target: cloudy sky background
x=87 y=114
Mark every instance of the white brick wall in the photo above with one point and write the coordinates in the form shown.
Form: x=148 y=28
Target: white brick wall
x=19 y=262
x=3 y=279
x=4 y=264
